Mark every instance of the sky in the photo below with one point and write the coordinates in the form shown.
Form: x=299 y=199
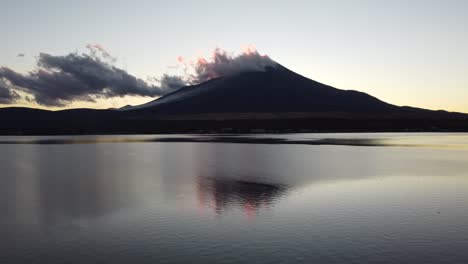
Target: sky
x=403 y=52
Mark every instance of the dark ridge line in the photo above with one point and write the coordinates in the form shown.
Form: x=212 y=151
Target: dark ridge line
x=223 y=139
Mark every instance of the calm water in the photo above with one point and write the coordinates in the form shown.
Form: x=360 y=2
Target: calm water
x=328 y=198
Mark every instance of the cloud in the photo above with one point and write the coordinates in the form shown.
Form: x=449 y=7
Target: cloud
x=60 y=80
x=20 y=55
x=172 y=82
x=7 y=96
x=97 y=49
x=224 y=64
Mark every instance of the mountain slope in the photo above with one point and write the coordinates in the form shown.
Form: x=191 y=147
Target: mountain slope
x=274 y=90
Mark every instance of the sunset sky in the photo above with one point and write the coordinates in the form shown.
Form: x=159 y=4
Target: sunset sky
x=403 y=52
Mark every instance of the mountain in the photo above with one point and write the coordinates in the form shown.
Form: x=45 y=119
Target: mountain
x=273 y=100
x=275 y=90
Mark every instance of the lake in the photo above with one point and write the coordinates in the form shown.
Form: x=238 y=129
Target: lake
x=283 y=198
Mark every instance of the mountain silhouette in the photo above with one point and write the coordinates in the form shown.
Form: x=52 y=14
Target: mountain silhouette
x=275 y=90
x=273 y=100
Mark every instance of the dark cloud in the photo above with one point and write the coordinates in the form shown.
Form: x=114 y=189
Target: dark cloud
x=7 y=96
x=59 y=80
x=78 y=77
x=172 y=82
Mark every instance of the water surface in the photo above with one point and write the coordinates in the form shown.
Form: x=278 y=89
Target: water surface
x=328 y=198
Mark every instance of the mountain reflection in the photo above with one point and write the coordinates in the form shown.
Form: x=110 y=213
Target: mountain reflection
x=224 y=193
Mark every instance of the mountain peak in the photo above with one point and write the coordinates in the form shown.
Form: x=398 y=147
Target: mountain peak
x=275 y=89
